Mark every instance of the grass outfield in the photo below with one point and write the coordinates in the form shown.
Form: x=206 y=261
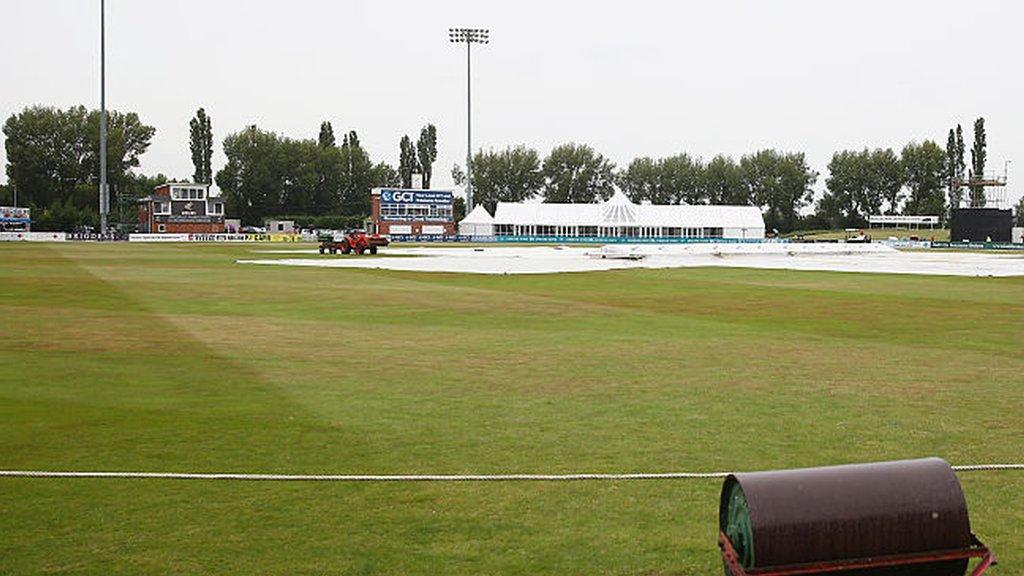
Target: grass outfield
x=173 y=358
x=939 y=234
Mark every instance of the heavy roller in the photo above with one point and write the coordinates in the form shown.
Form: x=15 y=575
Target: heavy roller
x=904 y=518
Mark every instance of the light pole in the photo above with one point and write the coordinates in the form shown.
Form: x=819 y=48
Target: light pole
x=469 y=36
x=104 y=192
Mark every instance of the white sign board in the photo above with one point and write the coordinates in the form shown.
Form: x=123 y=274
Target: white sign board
x=33 y=236
x=158 y=237
x=903 y=220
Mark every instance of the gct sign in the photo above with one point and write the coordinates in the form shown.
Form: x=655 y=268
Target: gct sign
x=397 y=197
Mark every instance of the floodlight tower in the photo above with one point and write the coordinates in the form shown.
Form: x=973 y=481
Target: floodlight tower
x=104 y=192
x=469 y=36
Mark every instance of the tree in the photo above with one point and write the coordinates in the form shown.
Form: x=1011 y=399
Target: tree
x=384 y=176
x=123 y=199
x=780 y=184
x=330 y=173
x=62 y=216
x=845 y=187
x=978 y=156
x=955 y=167
x=575 y=173
x=407 y=163
x=859 y=184
x=924 y=171
x=885 y=178
x=673 y=180
x=255 y=176
x=201 y=144
x=359 y=177
x=723 y=182
x=426 y=152
x=1018 y=212
x=641 y=180
x=458 y=208
x=53 y=154
x=682 y=178
x=512 y=175
x=458 y=175
x=326 y=139
x=830 y=211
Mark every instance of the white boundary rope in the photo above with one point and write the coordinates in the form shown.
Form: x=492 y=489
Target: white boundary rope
x=413 y=477
x=364 y=477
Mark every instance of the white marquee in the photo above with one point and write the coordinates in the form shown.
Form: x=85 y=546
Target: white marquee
x=619 y=217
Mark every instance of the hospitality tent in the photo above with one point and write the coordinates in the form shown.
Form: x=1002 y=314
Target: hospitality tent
x=618 y=217
x=479 y=222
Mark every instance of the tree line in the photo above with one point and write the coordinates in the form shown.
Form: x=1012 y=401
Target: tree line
x=53 y=165
x=53 y=168
x=780 y=183
x=922 y=179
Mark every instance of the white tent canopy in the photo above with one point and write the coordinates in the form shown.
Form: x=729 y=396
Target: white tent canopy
x=619 y=217
x=479 y=222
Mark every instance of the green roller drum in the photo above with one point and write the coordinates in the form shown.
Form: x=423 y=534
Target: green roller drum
x=735 y=523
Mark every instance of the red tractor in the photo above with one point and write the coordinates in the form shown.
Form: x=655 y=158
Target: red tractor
x=357 y=241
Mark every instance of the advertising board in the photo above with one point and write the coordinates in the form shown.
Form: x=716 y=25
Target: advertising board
x=158 y=237
x=629 y=240
x=977 y=246
x=903 y=220
x=33 y=236
x=400 y=196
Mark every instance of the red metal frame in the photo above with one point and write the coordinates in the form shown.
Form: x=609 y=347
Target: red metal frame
x=977 y=550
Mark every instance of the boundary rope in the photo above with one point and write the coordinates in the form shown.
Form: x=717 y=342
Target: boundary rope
x=413 y=477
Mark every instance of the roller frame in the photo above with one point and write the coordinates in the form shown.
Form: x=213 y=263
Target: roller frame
x=977 y=550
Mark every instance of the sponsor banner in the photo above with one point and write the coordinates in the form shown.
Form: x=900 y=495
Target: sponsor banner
x=33 y=236
x=199 y=237
x=158 y=237
x=430 y=238
x=188 y=219
x=286 y=238
x=400 y=196
x=906 y=243
x=628 y=240
x=886 y=219
x=218 y=238
x=978 y=245
x=274 y=238
x=95 y=236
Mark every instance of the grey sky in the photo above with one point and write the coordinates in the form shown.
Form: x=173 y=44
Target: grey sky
x=630 y=78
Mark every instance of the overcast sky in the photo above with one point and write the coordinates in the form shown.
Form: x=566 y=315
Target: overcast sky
x=629 y=78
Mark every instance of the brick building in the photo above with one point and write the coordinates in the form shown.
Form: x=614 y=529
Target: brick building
x=400 y=212
x=181 y=208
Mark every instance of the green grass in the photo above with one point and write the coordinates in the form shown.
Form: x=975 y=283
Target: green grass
x=173 y=358
x=940 y=234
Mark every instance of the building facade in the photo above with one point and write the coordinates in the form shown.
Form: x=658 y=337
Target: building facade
x=181 y=208
x=401 y=212
x=619 y=218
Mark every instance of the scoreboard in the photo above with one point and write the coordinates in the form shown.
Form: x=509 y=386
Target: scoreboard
x=401 y=205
